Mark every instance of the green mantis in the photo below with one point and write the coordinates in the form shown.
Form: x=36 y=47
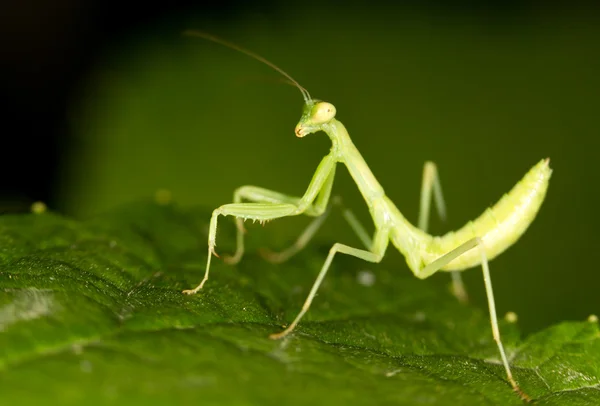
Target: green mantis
x=472 y=245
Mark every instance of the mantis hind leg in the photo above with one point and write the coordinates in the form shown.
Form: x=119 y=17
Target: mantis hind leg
x=374 y=254
x=449 y=257
x=431 y=185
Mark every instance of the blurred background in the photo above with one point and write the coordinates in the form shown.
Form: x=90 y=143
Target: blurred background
x=104 y=104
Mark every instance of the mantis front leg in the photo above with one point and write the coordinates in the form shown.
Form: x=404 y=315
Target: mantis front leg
x=431 y=183
x=270 y=209
x=317 y=209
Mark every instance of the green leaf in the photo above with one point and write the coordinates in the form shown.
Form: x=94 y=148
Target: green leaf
x=92 y=313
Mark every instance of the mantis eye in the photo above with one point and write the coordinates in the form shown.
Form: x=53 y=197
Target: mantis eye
x=323 y=112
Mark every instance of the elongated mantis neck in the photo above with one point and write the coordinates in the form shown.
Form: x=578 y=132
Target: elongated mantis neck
x=320 y=116
x=348 y=154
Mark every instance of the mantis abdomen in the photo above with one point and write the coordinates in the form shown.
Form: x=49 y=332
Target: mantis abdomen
x=500 y=226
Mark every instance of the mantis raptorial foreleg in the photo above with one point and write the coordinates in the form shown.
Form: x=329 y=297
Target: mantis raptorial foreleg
x=320 y=184
x=259 y=195
x=256 y=194
x=431 y=183
x=375 y=254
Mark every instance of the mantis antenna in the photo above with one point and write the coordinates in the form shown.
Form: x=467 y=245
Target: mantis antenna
x=209 y=37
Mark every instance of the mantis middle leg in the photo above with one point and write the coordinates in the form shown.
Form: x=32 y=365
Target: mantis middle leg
x=431 y=183
x=311 y=230
x=270 y=209
x=374 y=254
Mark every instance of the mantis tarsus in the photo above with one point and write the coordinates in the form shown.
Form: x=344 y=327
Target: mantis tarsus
x=474 y=244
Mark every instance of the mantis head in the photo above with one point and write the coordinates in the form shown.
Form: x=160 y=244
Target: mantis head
x=315 y=115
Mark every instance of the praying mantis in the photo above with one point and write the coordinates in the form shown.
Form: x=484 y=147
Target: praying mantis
x=479 y=241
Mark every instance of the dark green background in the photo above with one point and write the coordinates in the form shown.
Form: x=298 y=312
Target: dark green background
x=483 y=94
